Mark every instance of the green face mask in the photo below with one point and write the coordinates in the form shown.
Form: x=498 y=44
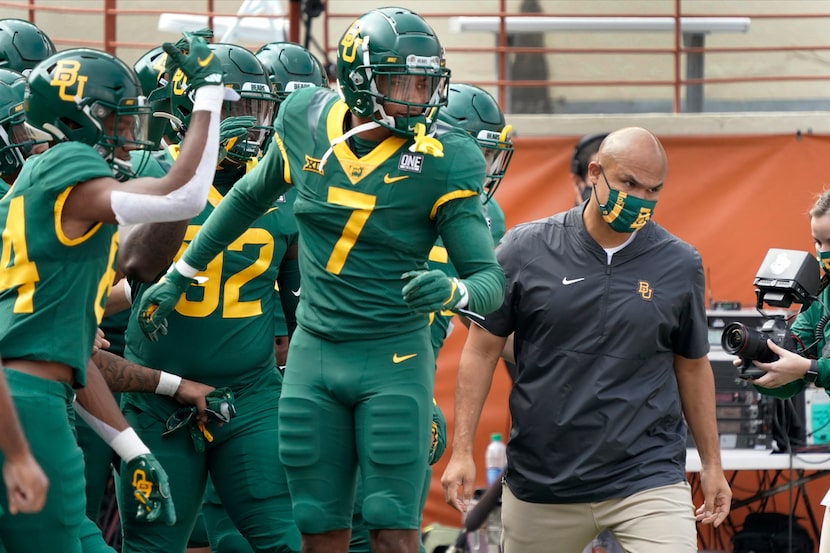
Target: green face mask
x=622 y=212
x=824 y=260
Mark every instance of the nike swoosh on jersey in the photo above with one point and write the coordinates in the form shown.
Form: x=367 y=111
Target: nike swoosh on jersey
x=566 y=280
x=204 y=62
x=389 y=180
x=401 y=358
x=297 y=291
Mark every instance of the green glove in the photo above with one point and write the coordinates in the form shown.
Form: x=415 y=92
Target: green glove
x=151 y=490
x=220 y=407
x=184 y=43
x=220 y=404
x=159 y=301
x=198 y=63
x=233 y=138
x=430 y=291
x=185 y=417
x=439 y=434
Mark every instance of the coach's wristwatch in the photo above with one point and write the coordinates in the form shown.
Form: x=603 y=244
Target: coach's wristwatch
x=812 y=373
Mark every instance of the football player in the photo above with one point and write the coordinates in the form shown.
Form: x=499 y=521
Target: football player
x=291 y=68
x=231 y=310
x=375 y=188
x=16 y=140
x=59 y=246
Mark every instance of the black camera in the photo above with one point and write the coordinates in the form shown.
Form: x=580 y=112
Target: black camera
x=751 y=344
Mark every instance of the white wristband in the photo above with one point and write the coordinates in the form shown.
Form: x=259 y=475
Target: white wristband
x=168 y=384
x=185 y=269
x=462 y=289
x=209 y=98
x=128 y=445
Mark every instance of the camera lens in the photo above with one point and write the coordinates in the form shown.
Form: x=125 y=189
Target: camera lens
x=739 y=340
x=734 y=338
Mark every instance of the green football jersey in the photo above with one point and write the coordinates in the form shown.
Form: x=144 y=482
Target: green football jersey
x=231 y=313
x=53 y=289
x=365 y=221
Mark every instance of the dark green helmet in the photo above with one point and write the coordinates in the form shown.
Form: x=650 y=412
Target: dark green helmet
x=474 y=110
x=391 y=69
x=22 y=45
x=15 y=139
x=150 y=71
x=89 y=96
x=291 y=67
x=243 y=72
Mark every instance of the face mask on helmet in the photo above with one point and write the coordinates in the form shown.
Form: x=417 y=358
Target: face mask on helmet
x=15 y=145
x=405 y=99
x=150 y=69
x=243 y=72
x=123 y=131
x=16 y=139
x=498 y=151
x=262 y=110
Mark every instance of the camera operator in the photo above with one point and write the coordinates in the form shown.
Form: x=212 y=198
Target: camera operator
x=791 y=372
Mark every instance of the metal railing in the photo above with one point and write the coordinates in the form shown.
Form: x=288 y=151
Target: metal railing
x=581 y=62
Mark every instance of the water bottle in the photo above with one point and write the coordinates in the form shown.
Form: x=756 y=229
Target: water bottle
x=495 y=458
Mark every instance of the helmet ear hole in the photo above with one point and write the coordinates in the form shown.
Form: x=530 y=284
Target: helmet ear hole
x=69 y=124
x=356 y=78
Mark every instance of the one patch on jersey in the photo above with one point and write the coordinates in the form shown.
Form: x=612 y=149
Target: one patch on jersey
x=312 y=165
x=411 y=162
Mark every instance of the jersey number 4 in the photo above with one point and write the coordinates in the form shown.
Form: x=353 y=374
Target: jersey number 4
x=15 y=267
x=17 y=270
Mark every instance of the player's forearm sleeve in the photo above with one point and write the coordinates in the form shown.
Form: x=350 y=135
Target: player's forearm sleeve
x=188 y=200
x=249 y=198
x=470 y=247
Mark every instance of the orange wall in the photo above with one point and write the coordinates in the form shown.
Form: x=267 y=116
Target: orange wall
x=733 y=197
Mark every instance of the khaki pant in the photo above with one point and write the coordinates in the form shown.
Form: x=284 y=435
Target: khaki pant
x=660 y=520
